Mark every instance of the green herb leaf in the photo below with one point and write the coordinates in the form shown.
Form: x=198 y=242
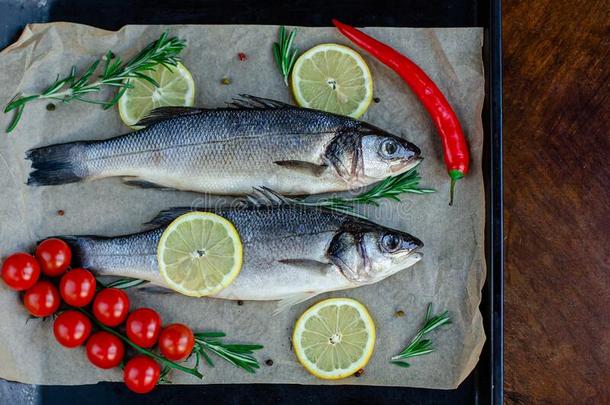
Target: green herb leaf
x=283 y=53
x=204 y=335
x=240 y=355
x=15 y=119
x=206 y=357
x=418 y=345
x=125 y=283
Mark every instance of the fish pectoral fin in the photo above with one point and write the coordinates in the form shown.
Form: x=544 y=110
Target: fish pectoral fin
x=165 y=113
x=308 y=264
x=308 y=168
x=291 y=300
x=136 y=182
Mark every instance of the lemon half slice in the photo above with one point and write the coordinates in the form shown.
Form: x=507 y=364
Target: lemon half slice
x=333 y=78
x=176 y=89
x=199 y=254
x=334 y=338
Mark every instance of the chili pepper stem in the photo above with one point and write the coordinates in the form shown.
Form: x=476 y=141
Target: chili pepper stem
x=455 y=175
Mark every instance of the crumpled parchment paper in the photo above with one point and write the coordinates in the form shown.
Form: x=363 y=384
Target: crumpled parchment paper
x=450 y=276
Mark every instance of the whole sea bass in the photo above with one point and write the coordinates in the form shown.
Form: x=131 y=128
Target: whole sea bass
x=291 y=252
x=258 y=142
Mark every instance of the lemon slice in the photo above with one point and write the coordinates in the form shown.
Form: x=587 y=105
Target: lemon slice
x=176 y=88
x=199 y=254
x=334 y=338
x=332 y=78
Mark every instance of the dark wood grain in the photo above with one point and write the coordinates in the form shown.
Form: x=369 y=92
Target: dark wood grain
x=557 y=198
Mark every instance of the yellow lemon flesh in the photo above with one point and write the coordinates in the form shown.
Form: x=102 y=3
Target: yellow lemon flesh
x=334 y=338
x=199 y=254
x=332 y=78
x=176 y=88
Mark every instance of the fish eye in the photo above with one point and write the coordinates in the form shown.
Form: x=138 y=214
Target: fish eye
x=388 y=147
x=390 y=242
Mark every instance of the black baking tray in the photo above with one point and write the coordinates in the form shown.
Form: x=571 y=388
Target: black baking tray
x=484 y=385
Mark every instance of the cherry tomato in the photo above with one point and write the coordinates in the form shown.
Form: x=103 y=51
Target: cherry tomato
x=42 y=299
x=176 y=341
x=20 y=271
x=71 y=328
x=54 y=256
x=143 y=327
x=105 y=350
x=77 y=287
x=111 y=306
x=141 y=374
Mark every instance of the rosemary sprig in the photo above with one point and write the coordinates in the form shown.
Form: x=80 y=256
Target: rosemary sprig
x=239 y=355
x=390 y=188
x=115 y=73
x=121 y=283
x=420 y=346
x=125 y=283
x=285 y=56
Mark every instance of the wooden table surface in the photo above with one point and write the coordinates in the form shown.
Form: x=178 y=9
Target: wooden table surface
x=557 y=199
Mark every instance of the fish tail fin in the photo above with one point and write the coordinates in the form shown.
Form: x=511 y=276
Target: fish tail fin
x=56 y=164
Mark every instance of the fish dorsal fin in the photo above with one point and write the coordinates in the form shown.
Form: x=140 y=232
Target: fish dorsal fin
x=266 y=197
x=246 y=101
x=291 y=300
x=166 y=216
x=165 y=113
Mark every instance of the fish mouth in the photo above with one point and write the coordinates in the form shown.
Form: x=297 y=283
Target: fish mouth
x=406 y=165
x=416 y=249
x=411 y=244
x=415 y=256
x=409 y=260
x=412 y=251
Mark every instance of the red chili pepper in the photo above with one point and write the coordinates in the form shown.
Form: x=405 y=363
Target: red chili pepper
x=455 y=148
